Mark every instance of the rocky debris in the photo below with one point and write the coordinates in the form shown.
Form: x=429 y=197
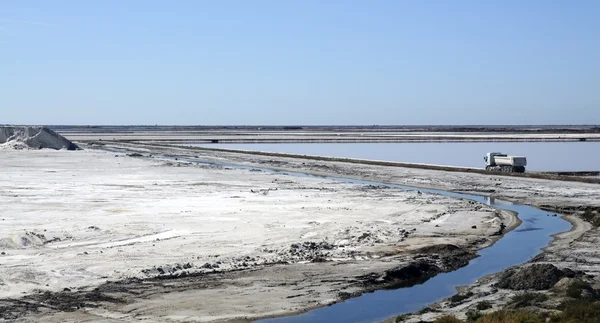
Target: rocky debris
x=167 y=270
x=40 y=236
x=242 y=262
x=55 y=239
x=135 y=155
x=263 y=191
x=22 y=137
x=211 y=266
x=234 y=263
x=308 y=250
x=533 y=277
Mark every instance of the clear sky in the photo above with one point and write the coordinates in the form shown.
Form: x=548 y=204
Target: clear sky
x=300 y=62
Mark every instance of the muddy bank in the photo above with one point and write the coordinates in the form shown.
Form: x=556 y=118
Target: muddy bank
x=284 y=285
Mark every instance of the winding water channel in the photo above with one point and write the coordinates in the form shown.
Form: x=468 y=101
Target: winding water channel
x=514 y=248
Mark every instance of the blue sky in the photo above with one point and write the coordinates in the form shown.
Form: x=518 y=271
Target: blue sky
x=300 y=62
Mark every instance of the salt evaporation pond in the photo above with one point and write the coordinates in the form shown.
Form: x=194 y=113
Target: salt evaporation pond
x=541 y=156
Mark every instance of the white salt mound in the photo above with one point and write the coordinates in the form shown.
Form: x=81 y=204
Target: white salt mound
x=33 y=138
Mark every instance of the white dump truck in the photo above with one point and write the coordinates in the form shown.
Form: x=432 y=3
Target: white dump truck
x=504 y=163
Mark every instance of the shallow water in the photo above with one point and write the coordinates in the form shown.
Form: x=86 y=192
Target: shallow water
x=541 y=156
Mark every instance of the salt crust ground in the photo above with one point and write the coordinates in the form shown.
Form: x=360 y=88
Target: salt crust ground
x=73 y=219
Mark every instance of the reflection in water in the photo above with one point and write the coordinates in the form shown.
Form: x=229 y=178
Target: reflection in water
x=528 y=229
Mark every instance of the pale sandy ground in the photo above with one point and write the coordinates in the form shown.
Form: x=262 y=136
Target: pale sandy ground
x=77 y=219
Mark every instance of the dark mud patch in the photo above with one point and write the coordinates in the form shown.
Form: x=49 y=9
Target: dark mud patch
x=116 y=292
x=65 y=301
x=12 y=309
x=69 y=301
x=414 y=272
x=427 y=263
x=449 y=257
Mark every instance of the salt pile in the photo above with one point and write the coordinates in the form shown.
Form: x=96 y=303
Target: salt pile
x=33 y=138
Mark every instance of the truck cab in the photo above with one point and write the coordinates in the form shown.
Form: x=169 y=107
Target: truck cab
x=489 y=158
